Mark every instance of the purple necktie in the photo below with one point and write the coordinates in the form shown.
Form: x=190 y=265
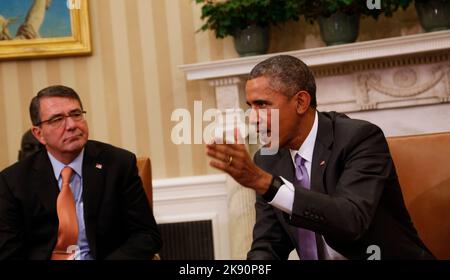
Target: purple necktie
x=306 y=238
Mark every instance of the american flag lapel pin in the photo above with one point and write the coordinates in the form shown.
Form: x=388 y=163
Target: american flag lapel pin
x=322 y=163
x=99 y=166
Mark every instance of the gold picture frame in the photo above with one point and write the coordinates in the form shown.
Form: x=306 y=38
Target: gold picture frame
x=79 y=43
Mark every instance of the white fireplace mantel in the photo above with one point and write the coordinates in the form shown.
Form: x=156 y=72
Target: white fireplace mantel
x=364 y=76
x=348 y=53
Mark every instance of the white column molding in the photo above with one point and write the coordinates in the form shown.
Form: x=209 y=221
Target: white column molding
x=228 y=92
x=241 y=211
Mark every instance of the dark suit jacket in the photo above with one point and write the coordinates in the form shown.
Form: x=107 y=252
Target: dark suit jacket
x=355 y=199
x=119 y=221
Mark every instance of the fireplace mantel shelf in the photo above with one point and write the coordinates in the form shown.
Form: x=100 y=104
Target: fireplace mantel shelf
x=360 y=51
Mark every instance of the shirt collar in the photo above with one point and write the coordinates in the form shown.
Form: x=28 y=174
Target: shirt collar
x=76 y=164
x=307 y=148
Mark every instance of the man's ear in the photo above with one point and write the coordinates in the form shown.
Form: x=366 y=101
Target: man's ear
x=37 y=132
x=303 y=100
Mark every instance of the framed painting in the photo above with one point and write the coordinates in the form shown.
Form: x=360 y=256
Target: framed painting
x=44 y=28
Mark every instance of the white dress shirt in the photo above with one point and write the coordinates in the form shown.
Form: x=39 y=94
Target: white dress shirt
x=76 y=185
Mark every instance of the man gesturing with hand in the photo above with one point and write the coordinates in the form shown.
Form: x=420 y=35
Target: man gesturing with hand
x=331 y=190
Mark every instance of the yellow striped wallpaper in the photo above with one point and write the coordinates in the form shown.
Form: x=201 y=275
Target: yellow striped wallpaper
x=131 y=83
x=129 y=86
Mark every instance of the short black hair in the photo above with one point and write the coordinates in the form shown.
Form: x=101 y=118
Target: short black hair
x=29 y=145
x=288 y=75
x=51 y=91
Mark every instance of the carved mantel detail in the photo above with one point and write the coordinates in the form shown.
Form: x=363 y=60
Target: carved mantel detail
x=373 y=90
x=388 y=73
x=228 y=92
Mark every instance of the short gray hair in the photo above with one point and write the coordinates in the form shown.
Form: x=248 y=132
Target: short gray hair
x=288 y=75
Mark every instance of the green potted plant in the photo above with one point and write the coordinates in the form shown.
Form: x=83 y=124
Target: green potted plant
x=339 y=19
x=248 y=21
x=434 y=15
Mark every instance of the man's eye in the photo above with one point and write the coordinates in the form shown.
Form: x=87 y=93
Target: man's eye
x=56 y=119
x=75 y=114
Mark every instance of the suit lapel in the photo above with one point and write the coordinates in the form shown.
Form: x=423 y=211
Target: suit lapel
x=284 y=166
x=93 y=178
x=43 y=178
x=321 y=154
x=93 y=170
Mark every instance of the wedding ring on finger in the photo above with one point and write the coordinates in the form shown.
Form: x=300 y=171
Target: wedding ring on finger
x=230 y=160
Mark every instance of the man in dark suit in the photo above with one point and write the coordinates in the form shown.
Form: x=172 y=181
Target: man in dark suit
x=331 y=190
x=28 y=145
x=111 y=217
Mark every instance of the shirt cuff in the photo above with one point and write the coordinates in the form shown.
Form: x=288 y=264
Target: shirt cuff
x=284 y=198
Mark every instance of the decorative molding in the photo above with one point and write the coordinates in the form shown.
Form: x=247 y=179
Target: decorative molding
x=368 y=82
x=380 y=51
x=225 y=82
x=448 y=84
x=404 y=89
x=405 y=77
x=184 y=188
x=227 y=91
x=378 y=64
x=190 y=181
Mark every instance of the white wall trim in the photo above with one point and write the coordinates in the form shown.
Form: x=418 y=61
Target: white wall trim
x=374 y=49
x=195 y=187
x=192 y=180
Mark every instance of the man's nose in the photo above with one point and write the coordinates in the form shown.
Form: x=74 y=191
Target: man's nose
x=70 y=123
x=254 y=117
